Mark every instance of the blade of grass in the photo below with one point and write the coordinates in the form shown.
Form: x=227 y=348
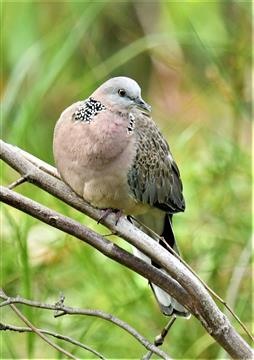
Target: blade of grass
x=20 y=235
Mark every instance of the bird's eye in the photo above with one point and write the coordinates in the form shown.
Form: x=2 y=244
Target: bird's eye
x=122 y=92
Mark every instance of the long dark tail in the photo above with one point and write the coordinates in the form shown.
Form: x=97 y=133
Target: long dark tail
x=168 y=233
x=168 y=305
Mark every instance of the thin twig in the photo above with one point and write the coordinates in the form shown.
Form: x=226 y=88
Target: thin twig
x=20 y=181
x=37 y=332
x=235 y=281
x=147 y=356
x=8 y=327
x=60 y=309
x=238 y=273
x=159 y=339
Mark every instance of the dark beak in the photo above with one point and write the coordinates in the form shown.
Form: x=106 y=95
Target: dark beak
x=142 y=104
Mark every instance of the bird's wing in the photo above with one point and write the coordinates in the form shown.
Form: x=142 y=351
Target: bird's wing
x=154 y=177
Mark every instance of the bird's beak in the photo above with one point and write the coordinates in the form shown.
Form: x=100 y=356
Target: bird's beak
x=142 y=104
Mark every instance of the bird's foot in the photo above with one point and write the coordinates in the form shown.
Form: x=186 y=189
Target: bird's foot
x=107 y=212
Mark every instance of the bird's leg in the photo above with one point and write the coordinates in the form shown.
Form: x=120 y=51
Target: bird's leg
x=118 y=213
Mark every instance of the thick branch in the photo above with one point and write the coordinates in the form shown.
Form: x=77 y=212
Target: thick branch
x=90 y=237
x=202 y=305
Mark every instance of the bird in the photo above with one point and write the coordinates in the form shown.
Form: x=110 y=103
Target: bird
x=111 y=153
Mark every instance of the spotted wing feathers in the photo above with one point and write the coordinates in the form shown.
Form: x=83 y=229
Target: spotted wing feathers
x=154 y=177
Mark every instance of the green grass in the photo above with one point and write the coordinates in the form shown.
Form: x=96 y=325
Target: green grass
x=193 y=62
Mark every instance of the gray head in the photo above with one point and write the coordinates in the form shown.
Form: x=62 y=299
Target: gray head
x=121 y=92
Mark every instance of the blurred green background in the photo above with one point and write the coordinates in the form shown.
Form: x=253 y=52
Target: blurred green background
x=193 y=62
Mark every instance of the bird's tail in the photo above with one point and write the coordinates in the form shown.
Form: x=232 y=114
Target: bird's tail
x=163 y=227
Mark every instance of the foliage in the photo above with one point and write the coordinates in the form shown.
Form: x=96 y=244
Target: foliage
x=193 y=60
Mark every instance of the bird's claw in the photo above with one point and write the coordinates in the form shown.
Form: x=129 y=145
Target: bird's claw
x=107 y=212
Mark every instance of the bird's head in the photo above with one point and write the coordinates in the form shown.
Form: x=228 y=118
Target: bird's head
x=121 y=93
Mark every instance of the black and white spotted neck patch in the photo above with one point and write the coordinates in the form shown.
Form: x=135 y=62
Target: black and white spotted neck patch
x=88 y=110
x=131 y=123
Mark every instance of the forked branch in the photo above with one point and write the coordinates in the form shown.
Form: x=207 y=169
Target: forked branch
x=60 y=309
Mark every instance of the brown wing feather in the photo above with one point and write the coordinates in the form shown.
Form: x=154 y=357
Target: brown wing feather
x=154 y=177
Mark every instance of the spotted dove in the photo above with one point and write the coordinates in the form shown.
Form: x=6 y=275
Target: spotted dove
x=110 y=152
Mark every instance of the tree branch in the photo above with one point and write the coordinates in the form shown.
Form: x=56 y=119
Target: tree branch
x=105 y=246
x=6 y=327
x=60 y=309
x=42 y=336
x=196 y=298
